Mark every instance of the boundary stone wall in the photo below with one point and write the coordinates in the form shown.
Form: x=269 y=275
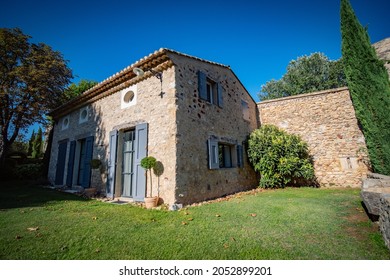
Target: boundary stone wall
x=326 y=121
x=384 y=218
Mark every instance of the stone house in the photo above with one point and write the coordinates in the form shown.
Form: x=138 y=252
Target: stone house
x=192 y=115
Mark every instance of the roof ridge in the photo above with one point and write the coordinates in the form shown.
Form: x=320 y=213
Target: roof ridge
x=195 y=57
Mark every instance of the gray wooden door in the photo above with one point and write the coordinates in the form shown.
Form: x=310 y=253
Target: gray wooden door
x=140 y=151
x=110 y=189
x=69 y=176
x=62 y=147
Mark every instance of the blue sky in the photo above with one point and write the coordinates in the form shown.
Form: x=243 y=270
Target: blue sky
x=256 y=38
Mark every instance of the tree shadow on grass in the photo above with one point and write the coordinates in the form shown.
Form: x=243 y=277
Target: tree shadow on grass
x=23 y=194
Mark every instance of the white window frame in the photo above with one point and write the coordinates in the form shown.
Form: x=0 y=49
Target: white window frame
x=123 y=93
x=65 y=122
x=83 y=119
x=245 y=110
x=235 y=154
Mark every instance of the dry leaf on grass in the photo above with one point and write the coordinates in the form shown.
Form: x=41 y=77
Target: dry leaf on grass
x=32 y=228
x=253 y=214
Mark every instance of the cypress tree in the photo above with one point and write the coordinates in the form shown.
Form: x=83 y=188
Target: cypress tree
x=369 y=86
x=37 y=144
x=31 y=143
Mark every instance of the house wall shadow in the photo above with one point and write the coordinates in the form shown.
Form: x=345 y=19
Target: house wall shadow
x=27 y=194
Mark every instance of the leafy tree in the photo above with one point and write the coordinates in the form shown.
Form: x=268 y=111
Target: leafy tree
x=279 y=157
x=306 y=74
x=368 y=82
x=75 y=90
x=37 y=145
x=32 y=81
x=19 y=145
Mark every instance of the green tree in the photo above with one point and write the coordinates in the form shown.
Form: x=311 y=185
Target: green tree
x=368 y=82
x=75 y=90
x=37 y=145
x=31 y=143
x=279 y=157
x=306 y=74
x=19 y=145
x=32 y=82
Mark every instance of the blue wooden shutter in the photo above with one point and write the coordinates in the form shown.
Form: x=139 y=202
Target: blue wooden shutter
x=140 y=151
x=110 y=189
x=213 y=154
x=220 y=95
x=240 y=156
x=202 y=85
x=62 y=146
x=86 y=180
x=69 y=176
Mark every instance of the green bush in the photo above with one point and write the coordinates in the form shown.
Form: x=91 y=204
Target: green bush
x=27 y=171
x=279 y=157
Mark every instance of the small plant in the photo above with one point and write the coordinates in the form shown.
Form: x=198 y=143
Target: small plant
x=148 y=163
x=279 y=157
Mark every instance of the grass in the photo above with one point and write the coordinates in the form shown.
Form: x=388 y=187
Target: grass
x=305 y=223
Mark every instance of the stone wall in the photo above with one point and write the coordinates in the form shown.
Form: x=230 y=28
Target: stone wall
x=198 y=120
x=326 y=121
x=107 y=114
x=384 y=218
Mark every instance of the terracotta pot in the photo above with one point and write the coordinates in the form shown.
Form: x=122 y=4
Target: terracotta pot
x=90 y=192
x=151 y=202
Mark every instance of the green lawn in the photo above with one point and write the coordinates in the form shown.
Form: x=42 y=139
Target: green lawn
x=306 y=223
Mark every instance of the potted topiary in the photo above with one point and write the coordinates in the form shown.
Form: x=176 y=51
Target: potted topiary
x=148 y=163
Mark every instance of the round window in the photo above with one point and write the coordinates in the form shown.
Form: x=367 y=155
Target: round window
x=84 y=114
x=66 y=122
x=129 y=96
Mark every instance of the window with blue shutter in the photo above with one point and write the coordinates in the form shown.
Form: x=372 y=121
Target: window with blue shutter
x=224 y=154
x=86 y=178
x=213 y=154
x=210 y=90
x=220 y=95
x=240 y=156
x=112 y=164
x=202 y=85
x=62 y=147
x=140 y=151
x=69 y=176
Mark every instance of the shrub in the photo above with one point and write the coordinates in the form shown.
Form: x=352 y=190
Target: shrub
x=279 y=157
x=28 y=171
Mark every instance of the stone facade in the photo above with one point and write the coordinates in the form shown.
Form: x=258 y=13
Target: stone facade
x=199 y=120
x=179 y=124
x=326 y=121
x=384 y=218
